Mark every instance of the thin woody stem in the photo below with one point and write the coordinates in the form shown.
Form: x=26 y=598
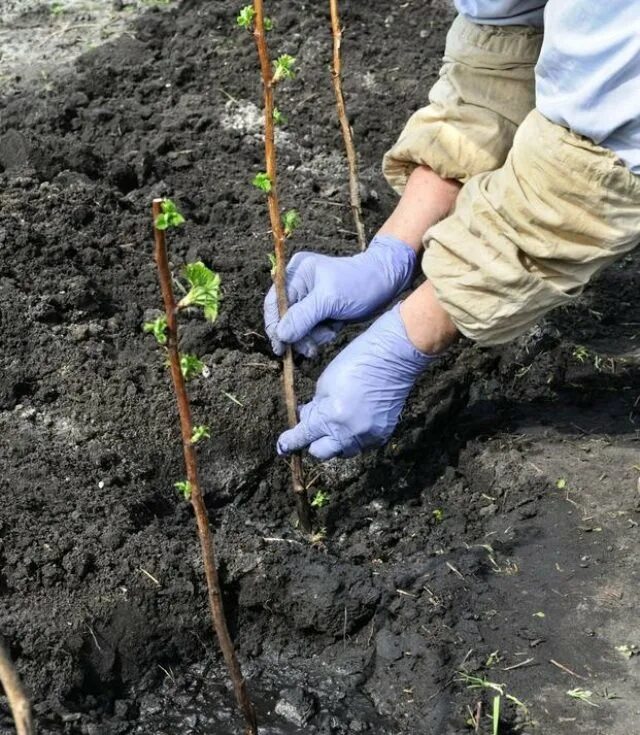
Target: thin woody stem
x=347 y=133
x=197 y=501
x=288 y=380
x=18 y=702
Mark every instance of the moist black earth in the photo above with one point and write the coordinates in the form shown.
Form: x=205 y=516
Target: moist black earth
x=495 y=536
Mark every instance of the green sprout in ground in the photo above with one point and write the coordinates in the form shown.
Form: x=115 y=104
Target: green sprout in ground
x=320 y=499
x=583 y=695
x=500 y=692
x=438 y=515
x=199 y=433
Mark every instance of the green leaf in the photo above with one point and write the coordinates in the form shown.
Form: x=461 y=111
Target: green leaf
x=268 y=24
x=438 y=515
x=278 y=117
x=561 y=484
x=190 y=366
x=263 y=182
x=184 y=486
x=200 y=432
x=320 y=499
x=205 y=290
x=170 y=216
x=495 y=715
x=283 y=68
x=290 y=221
x=246 y=17
x=273 y=263
x=158 y=327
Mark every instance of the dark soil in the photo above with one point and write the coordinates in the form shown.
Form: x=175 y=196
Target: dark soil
x=529 y=454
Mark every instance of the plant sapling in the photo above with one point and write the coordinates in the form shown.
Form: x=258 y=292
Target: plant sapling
x=204 y=293
x=272 y=74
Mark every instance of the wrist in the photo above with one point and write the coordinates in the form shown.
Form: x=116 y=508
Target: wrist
x=428 y=326
x=396 y=258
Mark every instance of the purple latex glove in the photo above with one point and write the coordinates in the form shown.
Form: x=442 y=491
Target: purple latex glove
x=325 y=291
x=360 y=395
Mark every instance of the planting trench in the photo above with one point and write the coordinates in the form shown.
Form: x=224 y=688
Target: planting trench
x=528 y=454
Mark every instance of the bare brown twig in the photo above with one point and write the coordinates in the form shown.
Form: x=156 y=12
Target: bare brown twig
x=18 y=702
x=197 y=500
x=297 y=476
x=347 y=133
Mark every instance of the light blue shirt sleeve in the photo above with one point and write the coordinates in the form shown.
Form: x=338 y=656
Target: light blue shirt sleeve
x=503 y=12
x=588 y=73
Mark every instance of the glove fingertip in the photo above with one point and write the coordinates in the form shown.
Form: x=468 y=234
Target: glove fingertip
x=325 y=448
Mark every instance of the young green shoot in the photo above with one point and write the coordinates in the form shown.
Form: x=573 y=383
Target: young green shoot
x=290 y=222
x=263 y=182
x=273 y=263
x=583 y=695
x=561 y=484
x=247 y=15
x=283 y=68
x=199 y=433
x=170 y=216
x=438 y=515
x=477 y=682
x=190 y=366
x=278 y=117
x=184 y=487
x=158 y=327
x=495 y=715
x=204 y=291
x=320 y=499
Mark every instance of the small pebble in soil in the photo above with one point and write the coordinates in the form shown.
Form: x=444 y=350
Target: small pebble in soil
x=296 y=705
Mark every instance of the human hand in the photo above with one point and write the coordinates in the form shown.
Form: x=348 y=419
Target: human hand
x=325 y=291
x=360 y=395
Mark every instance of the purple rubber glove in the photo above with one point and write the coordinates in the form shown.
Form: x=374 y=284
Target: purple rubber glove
x=360 y=396
x=325 y=291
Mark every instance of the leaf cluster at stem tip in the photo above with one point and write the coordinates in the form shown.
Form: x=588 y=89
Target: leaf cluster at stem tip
x=170 y=216
x=158 y=327
x=247 y=15
x=204 y=291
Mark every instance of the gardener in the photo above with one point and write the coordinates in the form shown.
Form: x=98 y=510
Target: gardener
x=520 y=180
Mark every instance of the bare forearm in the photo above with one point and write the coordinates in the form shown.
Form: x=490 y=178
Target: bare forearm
x=426 y=200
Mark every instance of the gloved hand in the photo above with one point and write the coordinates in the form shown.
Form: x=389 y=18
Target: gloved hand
x=361 y=393
x=324 y=291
